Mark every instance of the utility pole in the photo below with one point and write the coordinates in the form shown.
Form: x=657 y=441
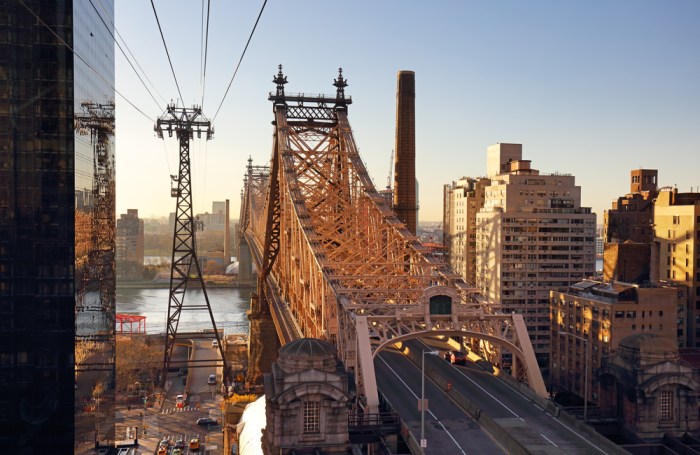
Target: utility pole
x=184 y=267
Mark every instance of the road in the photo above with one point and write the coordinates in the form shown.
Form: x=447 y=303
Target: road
x=448 y=430
x=169 y=421
x=539 y=431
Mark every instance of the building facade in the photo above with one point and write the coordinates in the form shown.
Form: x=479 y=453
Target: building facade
x=651 y=388
x=676 y=252
x=129 y=246
x=56 y=248
x=631 y=215
x=307 y=401
x=532 y=236
x=589 y=319
x=461 y=202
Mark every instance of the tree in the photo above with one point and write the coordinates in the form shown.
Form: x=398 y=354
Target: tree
x=138 y=360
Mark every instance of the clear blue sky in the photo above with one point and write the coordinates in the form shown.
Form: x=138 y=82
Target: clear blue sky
x=592 y=88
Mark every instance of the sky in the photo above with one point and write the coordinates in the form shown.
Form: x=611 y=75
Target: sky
x=592 y=88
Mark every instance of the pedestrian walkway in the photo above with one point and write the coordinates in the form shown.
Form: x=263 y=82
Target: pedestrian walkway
x=183 y=409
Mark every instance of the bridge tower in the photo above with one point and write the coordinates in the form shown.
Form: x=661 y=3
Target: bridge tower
x=184 y=267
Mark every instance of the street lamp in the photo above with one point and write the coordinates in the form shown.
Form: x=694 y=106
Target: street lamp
x=423 y=442
x=585 y=374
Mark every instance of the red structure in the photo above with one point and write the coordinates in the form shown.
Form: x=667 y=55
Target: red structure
x=129 y=320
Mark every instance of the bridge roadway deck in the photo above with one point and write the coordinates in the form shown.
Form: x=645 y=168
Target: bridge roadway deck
x=533 y=427
x=448 y=430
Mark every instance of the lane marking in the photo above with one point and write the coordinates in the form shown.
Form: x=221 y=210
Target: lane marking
x=482 y=389
x=550 y=441
x=529 y=401
x=429 y=411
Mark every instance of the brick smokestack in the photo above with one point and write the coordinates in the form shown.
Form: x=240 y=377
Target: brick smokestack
x=227 y=237
x=405 y=205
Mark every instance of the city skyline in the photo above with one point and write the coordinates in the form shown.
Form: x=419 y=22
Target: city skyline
x=593 y=90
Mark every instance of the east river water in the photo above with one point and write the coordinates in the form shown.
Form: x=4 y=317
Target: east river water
x=227 y=304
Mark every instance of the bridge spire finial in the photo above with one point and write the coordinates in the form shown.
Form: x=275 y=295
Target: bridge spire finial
x=280 y=80
x=340 y=85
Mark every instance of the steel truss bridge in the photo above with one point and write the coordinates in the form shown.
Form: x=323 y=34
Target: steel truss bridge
x=335 y=263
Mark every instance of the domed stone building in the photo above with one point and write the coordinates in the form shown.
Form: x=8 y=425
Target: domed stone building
x=308 y=395
x=652 y=389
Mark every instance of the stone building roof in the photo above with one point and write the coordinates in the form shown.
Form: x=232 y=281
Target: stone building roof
x=647 y=349
x=307 y=354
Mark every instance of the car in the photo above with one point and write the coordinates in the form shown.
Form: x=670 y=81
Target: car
x=176 y=452
x=179 y=444
x=194 y=444
x=163 y=450
x=458 y=357
x=206 y=422
x=214 y=344
x=165 y=442
x=212 y=379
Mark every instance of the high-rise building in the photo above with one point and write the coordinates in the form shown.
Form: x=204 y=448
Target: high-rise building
x=129 y=243
x=461 y=202
x=532 y=236
x=675 y=252
x=56 y=247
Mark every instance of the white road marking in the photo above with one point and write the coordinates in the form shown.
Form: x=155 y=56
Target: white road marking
x=429 y=411
x=549 y=440
x=483 y=390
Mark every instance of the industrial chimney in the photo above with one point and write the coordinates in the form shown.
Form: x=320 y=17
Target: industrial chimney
x=405 y=205
x=227 y=237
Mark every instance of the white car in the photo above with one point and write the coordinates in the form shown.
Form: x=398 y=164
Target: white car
x=214 y=344
x=212 y=379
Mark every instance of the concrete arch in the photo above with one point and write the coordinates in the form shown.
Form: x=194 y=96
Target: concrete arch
x=482 y=336
x=304 y=390
x=653 y=385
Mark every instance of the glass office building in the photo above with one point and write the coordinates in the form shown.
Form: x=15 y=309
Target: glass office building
x=57 y=303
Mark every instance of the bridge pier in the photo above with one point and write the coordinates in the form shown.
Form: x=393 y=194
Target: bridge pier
x=263 y=342
x=245 y=264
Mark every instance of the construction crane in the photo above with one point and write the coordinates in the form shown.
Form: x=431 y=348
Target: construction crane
x=184 y=266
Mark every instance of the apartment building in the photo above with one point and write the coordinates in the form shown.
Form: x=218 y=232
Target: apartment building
x=590 y=318
x=461 y=202
x=130 y=248
x=532 y=236
x=676 y=252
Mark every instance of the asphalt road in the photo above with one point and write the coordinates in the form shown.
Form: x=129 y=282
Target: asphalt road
x=448 y=430
x=530 y=424
x=169 y=421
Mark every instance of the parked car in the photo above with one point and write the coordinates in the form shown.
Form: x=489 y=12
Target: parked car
x=179 y=444
x=214 y=344
x=456 y=357
x=165 y=442
x=176 y=452
x=212 y=379
x=163 y=450
x=206 y=422
x=194 y=444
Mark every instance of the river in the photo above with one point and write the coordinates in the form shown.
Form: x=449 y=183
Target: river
x=227 y=304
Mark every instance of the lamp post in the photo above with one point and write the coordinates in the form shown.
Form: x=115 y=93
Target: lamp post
x=585 y=373
x=423 y=441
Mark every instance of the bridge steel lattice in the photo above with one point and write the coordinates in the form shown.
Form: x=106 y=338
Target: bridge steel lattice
x=332 y=255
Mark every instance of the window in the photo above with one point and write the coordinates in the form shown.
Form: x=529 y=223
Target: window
x=312 y=416
x=665 y=404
